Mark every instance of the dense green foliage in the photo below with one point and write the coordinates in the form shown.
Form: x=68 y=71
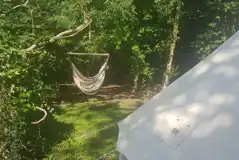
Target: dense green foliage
x=11 y=133
x=138 y=34
x=224 y=23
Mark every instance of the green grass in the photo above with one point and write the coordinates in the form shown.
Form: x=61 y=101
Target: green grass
x=86 y=119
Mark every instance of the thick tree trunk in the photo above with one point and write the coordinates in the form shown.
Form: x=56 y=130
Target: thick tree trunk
x=174 y=38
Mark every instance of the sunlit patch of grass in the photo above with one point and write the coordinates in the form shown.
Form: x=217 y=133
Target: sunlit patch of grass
x=88 y=140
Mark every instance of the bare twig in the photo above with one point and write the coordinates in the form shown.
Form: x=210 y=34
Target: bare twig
x=31 y=48
x=89 y=32
x=45 y=114
x=21 y=5
x=105 y=1
x=23 y=146
x=33 y=24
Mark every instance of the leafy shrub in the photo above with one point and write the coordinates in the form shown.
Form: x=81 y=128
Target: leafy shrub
x=11 y=129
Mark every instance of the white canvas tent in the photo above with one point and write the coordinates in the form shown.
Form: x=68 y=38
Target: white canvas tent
x=195 y=118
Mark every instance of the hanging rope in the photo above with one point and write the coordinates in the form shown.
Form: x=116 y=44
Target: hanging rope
x=89 y=85
x=88 y=134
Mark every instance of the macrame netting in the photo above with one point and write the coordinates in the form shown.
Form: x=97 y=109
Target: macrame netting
x=89 y=85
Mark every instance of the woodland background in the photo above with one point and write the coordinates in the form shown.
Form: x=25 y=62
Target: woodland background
x=151 y=43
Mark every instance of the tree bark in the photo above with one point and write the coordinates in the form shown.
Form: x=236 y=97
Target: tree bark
x=174 y=39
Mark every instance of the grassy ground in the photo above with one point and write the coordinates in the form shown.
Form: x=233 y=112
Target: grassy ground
x=86 y=141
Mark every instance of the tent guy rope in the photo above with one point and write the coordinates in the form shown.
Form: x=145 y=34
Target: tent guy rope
x=106 y=154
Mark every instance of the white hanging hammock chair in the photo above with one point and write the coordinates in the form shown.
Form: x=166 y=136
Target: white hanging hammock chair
x=89 y=85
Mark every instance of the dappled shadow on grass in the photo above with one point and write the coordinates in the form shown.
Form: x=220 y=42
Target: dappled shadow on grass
x=72 y=94
x=94 y=147
x=103 y=139
x=88 y=110
x=103 y=106
x=95 y=130
x=41 y=137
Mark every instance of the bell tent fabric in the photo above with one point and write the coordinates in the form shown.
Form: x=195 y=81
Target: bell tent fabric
x=194 y=118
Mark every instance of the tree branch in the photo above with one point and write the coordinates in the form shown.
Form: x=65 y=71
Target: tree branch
x=23 y=146
x=71 y=32
x=90 y=32
x=105 y=1
x=33 y=24
x=45 y=114
x=15 y=7
x=21 y=5
x=65 y=34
